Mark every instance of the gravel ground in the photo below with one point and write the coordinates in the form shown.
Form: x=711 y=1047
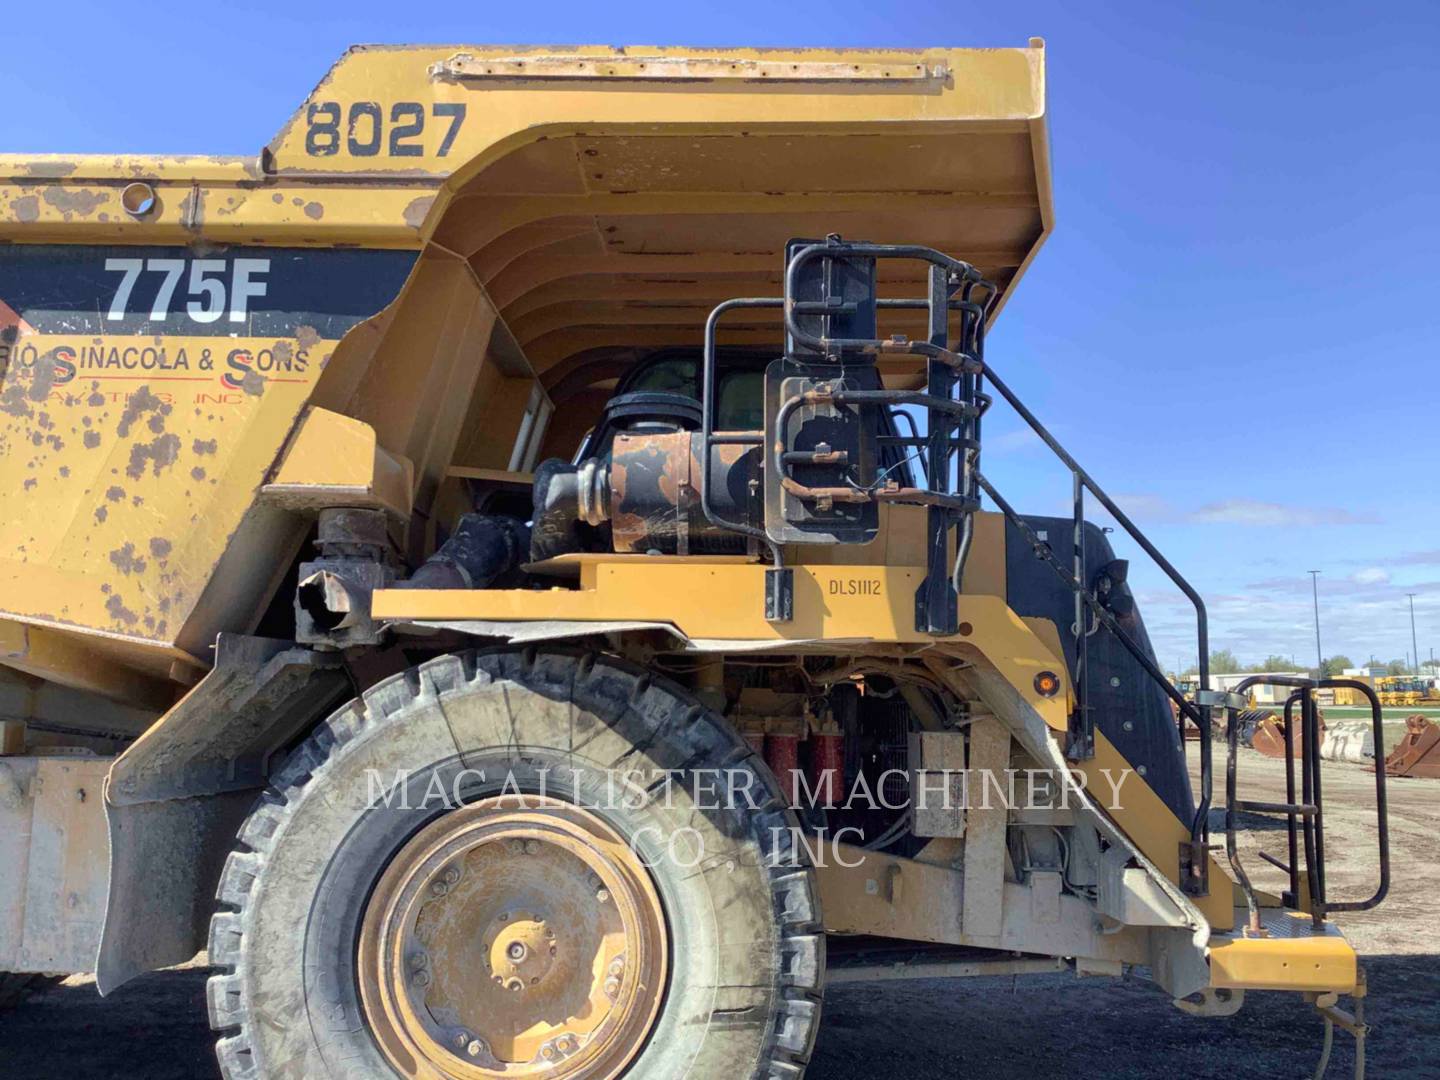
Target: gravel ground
x=1033 y=1027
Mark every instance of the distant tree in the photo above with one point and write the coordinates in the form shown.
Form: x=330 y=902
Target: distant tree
x=1433 y=665
x=1273 y=662
x=1335 y=666
x=1397 y=667
x=1223 y=662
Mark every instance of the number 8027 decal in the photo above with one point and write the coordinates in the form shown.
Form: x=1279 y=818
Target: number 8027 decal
x=367 y=133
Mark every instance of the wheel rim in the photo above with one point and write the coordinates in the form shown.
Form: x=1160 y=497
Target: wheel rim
x=516 y=937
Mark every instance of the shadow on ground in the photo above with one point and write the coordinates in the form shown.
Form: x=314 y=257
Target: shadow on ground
x=1034 y=1027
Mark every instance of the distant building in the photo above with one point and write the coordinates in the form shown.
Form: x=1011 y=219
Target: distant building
x=1264 y=693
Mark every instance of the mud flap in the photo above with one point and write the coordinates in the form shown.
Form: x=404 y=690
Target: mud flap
x=175 y=799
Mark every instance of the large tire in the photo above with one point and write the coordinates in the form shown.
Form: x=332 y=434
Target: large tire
x=746 y=947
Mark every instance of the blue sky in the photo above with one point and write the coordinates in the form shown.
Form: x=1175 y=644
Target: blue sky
x=1234 y=326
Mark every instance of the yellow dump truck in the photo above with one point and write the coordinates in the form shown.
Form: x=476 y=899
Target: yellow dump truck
x=509 y=570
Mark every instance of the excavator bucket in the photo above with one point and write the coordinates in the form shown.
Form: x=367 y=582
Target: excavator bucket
x=1269 y=735
x=1418 y=752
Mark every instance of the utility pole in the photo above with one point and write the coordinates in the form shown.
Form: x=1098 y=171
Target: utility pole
x=1414 y=648
x=1315 y=593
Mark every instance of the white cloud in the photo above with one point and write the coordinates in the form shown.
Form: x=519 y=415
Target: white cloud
x=1268 y=514
x=1151 y=509
x=1012 y=441
x=1371 y=575
x=1417 y=558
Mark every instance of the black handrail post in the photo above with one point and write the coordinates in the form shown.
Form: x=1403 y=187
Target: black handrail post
x=936 y=603
x=707 y=422
x=1232 y=739
x=1382 y=806
x=1312 y=753
x=1292 y=822
x=1082 y=733
x=1307 y=795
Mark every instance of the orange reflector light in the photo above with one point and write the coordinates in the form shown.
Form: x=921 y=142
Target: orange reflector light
x=1047 y=684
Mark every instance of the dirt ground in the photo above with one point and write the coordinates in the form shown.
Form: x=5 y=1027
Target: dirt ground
x=1033 y=1027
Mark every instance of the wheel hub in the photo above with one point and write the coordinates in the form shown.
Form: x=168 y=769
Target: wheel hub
x=516 y=937
x=522 y=950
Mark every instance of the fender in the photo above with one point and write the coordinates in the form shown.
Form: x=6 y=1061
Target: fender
x=175 y=799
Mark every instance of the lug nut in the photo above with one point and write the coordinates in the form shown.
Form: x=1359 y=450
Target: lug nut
x=474 y=1048
x=516 y=951
x=532 y=846
x=603 y=896
x=612 y=987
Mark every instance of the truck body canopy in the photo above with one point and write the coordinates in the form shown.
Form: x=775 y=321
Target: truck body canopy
x=444 y=244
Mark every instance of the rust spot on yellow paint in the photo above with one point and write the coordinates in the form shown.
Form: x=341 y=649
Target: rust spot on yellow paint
x=162 y=452
x=418 y=210
x=140 y=402
x=26 y=209
x=75 y=200
x=119 y=612
x=126 y=560
x=12 y=401
x=50 y=170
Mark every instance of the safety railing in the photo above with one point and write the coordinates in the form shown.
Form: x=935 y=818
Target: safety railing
x=953 y=411
x=1194 y=861
x=1305 y=818
x=956 y=402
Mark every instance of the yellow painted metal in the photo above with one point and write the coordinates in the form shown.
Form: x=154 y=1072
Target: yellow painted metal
x=290 y=191
x=867 y=892
x=551 y=194
x=74 y=662
x=1152 y=826
x=1292 y=956
x=123 y=486
x=682 y=68
x=722 y=600
x=334 y=460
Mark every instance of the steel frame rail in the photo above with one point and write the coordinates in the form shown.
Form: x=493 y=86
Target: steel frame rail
x=1307 y=817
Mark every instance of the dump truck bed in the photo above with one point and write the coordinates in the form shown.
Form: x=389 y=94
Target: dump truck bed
x=432 y=227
